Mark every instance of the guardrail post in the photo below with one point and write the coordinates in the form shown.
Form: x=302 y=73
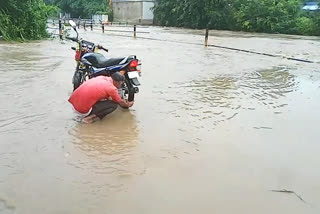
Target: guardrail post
x=206 y=38
x=84 y=25
x=91 y=25
x=60 y=29
x=134 y=31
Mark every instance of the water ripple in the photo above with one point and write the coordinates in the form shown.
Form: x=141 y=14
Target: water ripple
x=223 y=97
x=5 y=208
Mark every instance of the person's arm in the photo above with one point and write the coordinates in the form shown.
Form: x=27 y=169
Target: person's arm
x=117 y=99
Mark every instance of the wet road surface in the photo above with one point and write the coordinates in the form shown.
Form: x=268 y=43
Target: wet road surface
x=211 y=131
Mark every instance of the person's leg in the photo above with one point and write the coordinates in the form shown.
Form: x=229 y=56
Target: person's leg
x=100 y=110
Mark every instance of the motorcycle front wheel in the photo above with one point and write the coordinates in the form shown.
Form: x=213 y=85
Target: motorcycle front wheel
x=77 y=79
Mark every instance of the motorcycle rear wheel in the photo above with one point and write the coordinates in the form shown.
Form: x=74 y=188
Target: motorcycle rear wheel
x=128 y=91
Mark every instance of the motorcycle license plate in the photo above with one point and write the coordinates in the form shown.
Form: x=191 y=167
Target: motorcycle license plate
x=133 y=74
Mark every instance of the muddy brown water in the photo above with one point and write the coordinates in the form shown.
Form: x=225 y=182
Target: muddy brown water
x=212 y=131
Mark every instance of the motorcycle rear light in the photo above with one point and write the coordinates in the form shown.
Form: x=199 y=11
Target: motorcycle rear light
x=134 y=64
x=77 y=57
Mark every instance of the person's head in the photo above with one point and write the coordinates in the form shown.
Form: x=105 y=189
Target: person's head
x=118 y=79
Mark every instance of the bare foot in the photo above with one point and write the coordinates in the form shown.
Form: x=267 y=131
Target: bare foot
x=89 y=119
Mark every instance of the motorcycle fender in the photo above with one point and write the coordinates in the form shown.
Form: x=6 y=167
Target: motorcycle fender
x=135 y=81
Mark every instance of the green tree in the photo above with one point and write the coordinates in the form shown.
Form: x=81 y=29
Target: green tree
x=270 y=16
x=24 y=20
x=82 y=8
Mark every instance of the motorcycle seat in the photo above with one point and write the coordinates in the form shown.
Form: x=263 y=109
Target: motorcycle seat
x=99 y=61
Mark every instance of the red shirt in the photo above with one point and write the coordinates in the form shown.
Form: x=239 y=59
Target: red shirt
x=91 y=91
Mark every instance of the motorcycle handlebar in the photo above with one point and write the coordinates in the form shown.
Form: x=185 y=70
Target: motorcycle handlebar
x=76 y=40
x=102 y=48
x=72 y=39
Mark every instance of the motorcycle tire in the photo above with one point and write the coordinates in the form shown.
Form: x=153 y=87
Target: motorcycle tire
x=130 y=91
x=76 y=80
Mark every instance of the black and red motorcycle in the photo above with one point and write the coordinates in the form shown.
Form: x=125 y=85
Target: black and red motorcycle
x=90 y=63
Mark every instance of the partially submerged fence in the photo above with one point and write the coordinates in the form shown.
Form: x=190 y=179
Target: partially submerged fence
x=88 y=23
x=91 y=24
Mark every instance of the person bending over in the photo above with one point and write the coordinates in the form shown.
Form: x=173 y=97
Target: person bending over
x=97 y=97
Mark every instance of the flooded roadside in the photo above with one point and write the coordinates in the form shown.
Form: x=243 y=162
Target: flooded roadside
x=211 y=130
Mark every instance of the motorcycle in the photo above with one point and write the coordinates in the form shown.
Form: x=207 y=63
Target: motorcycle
x=90 y=64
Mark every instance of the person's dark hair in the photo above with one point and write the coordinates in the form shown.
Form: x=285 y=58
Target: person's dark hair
x=118 y=77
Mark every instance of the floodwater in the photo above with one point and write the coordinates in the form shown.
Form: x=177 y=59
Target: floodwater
x=211 y=131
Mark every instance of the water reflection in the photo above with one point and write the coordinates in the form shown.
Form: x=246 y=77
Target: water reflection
x=107 y=144
x=114 y=135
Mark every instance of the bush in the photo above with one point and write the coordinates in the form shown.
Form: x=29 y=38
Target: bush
x=305 y=26
x=269 y=16
x=24 y=20
x=82 y=8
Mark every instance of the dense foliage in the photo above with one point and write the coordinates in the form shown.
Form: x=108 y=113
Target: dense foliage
x=82 y=8
x=24 y=20
x=270 y=16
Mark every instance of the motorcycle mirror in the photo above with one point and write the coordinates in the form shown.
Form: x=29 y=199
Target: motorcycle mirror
x=72 y=24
